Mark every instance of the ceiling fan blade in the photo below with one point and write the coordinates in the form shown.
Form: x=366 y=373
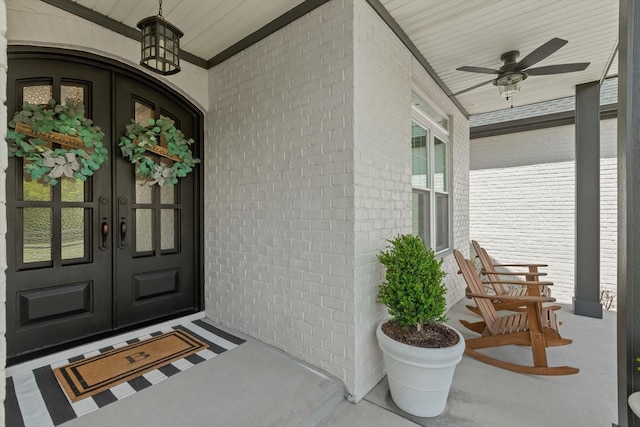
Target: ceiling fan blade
x=478 y=70
x=557 y=69
x=540 y=53
x=472 y=87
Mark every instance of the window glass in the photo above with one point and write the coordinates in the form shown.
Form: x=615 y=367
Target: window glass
x=442 y=221
x=440 y=173
x=430 y=175
x=144 y=230
x=37 y=94
x=420 y=215
x=72 y=94
x=419 y=157
x=142 y=113
x=37 y=237
x=73 y=233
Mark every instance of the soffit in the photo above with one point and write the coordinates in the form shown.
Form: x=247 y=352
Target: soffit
x=453 y=33
x=449 y=34
x=209 y=26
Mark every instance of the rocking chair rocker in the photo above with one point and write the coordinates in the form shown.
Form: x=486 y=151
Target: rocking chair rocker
x=536 y=327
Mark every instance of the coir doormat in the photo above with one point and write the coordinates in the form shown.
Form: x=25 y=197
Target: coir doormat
x=90 y=376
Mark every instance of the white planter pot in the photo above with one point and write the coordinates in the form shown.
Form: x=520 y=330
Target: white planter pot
x=634 y=403
x=419 y=378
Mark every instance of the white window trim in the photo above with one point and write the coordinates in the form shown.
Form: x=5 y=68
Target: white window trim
x=435 y=130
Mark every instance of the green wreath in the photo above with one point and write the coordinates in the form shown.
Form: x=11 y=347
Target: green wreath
x=139 y=140
x=60 y=124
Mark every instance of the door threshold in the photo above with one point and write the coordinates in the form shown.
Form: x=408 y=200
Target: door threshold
x=106 y=342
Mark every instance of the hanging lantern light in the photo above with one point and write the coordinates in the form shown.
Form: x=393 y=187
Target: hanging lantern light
x=160 y=44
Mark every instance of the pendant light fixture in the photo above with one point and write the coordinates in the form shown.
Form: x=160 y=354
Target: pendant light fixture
x=160 y=44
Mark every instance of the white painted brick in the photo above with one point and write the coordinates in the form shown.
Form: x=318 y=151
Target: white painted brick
x=384 y=72
x=308 y=164
x=522 y=203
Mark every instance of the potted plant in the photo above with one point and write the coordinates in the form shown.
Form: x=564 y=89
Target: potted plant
x=420 y=351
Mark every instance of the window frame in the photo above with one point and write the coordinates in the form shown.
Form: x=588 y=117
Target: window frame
x=434 y=130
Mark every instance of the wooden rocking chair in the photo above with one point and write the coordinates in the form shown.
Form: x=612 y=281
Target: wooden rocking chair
x=537 y=327
x=531 y=275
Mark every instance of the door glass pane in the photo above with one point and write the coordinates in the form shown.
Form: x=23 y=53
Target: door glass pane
x=419 y=157
x=440 y=176
x=144 y=191
x=37 y=234
x=72 y=94
x=37 y=94
x=442 y=221
x=143 y=113
x=144 y=230
x=72 y=190
x=168 y=194
x=168 y=229
x=73 y=233
x=35 y=191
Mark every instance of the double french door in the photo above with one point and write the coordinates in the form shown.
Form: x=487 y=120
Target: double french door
x=88 y=258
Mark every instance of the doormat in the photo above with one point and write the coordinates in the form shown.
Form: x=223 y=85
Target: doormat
x=87 y=377
x=35 y=398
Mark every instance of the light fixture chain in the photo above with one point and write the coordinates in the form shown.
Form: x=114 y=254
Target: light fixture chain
x=159 y=7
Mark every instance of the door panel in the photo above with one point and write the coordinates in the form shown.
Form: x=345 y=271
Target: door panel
x=87 y=259
x=155 y=257
x=58 y=279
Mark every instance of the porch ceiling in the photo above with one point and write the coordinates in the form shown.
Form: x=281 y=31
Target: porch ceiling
x=459 y=32
x=449 y=34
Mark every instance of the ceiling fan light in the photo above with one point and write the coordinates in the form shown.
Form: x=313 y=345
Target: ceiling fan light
x=509 y=84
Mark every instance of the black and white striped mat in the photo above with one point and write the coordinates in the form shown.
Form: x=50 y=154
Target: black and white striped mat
x=35 y=399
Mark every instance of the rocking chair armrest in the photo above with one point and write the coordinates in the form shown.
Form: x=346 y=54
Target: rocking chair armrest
x=513 y=273
x=517 y=282
x=523 y=299
x=521 y=265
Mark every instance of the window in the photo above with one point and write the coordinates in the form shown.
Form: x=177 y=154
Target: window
x=430 y=175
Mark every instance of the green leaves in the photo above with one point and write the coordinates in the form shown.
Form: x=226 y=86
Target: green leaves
x=46 y=164
x=155 y=169
x=413 y=289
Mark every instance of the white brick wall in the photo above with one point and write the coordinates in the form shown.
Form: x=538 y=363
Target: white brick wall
x=383 y=82
x=309 y=173
x=33 y=22
x=279 y=191
x=459 y=140
x=522 y=201
x=382 y=172
x=3 y=199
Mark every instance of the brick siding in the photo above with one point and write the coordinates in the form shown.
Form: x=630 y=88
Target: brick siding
x=522 y=201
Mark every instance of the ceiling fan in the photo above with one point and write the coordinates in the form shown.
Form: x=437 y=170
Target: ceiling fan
x=512 y=73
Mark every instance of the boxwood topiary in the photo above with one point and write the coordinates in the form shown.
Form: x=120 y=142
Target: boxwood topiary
x=413 y=289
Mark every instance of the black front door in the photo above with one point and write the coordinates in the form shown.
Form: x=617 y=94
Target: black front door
x=155 y=260
x=89 y=258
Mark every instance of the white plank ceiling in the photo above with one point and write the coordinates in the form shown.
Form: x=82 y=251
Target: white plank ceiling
x=453 y=33
x=448 y=33
x=209 y=26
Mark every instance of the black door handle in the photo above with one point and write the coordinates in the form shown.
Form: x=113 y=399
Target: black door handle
x=103 y=213
x=122 y=219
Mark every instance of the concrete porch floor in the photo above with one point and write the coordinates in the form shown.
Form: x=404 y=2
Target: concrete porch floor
x=256 y=385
